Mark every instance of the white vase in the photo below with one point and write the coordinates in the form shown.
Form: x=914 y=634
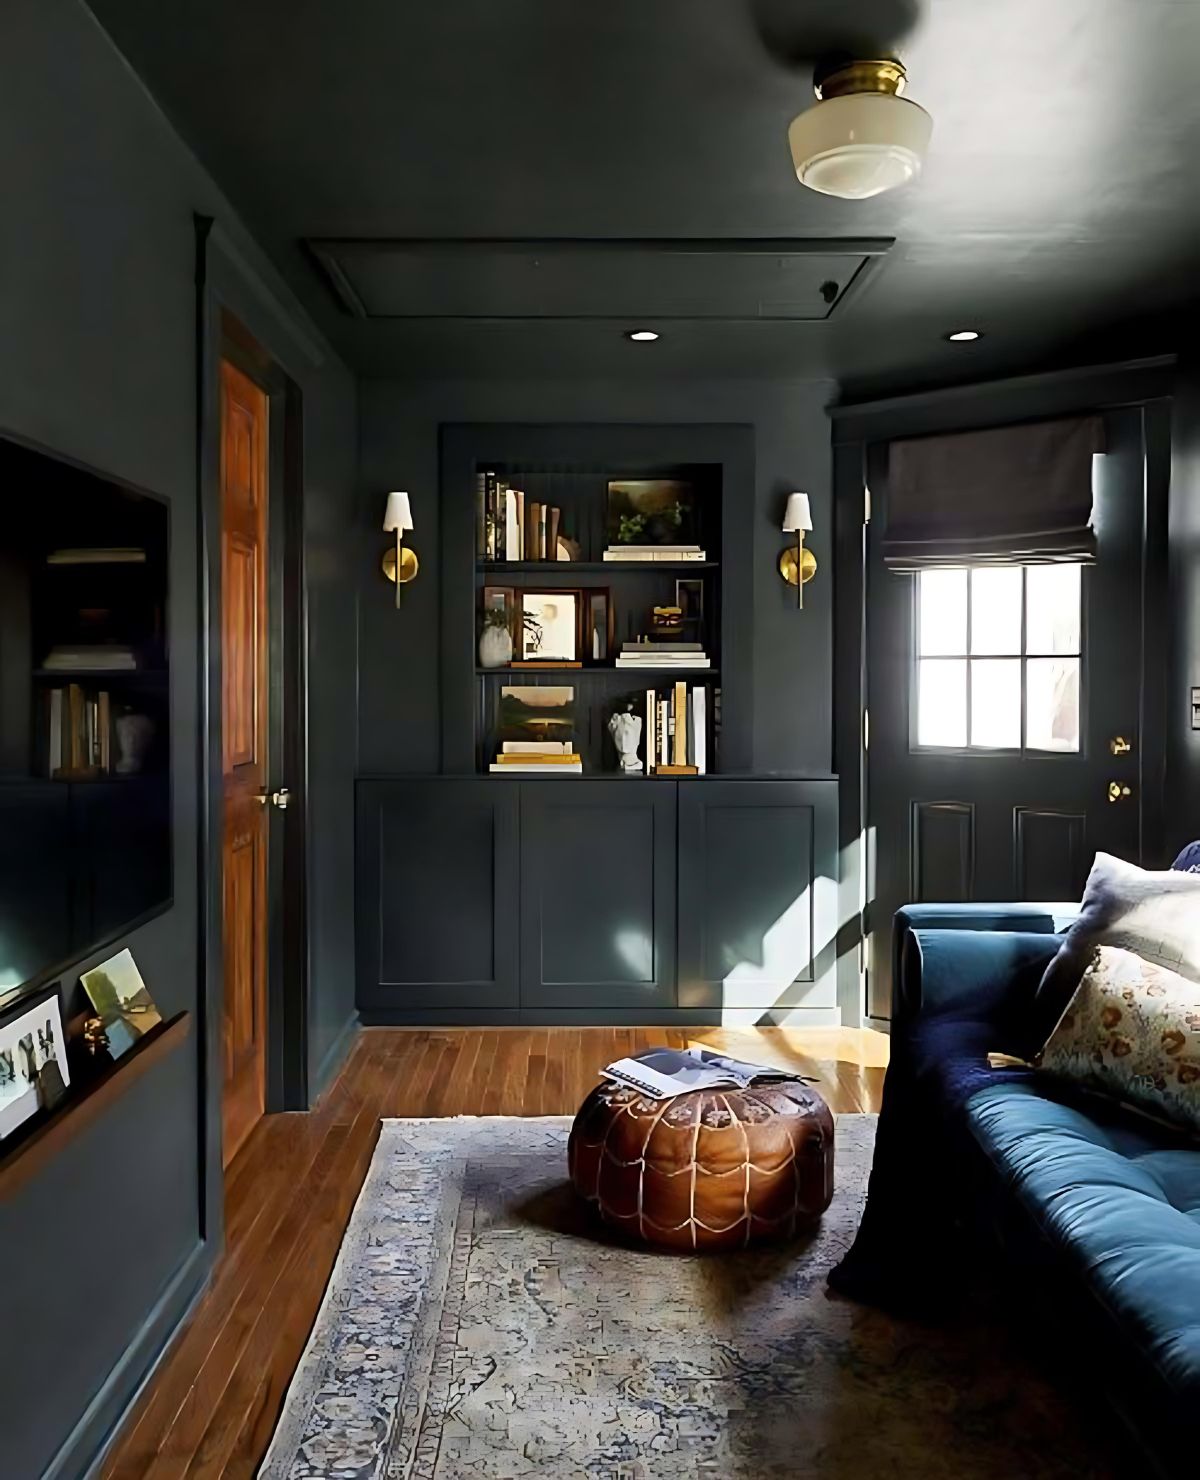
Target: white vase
x=495 y=647
x=134 y=734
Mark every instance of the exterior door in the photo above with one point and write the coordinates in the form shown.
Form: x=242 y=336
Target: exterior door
x=1003 y=715
x=245 y=730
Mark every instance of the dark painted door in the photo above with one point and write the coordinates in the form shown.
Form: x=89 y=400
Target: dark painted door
x=598 y=897
x=1003 y=715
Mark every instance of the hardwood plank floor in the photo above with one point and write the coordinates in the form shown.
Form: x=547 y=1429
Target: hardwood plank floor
x=212 y=1406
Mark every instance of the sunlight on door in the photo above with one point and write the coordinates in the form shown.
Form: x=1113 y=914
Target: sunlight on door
x=999 y=652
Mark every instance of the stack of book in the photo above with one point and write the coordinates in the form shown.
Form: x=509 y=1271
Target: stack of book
x=650 y=654
x=655 y=552
x=508 y=526
x=91 y=658
x=540 y=757
x=78 y=731
x=677 y=731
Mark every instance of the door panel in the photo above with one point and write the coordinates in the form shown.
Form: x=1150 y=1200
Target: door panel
x=597 y=894
x=957 y=824
x=245 y=731
x=437 y=894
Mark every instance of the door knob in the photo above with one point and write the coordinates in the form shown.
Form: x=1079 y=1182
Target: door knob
x=1119 y=745
x=1118 y=793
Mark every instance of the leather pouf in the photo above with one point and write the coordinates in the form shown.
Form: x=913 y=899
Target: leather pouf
x=714 y=1169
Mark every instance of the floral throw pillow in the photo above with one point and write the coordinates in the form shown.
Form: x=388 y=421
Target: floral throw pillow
x=1132 y=1030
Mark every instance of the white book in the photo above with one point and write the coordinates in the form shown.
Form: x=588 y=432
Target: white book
x=626 y=552
x=699 y=705
x=569 y=768
x=56 y=709
x=691 y=660
x=535 y=747
x=651 y=713
x=512 y=527
x=664 y=732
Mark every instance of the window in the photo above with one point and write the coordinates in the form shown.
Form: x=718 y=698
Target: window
x=998 y=658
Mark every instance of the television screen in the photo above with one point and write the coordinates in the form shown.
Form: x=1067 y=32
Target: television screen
x=85 y=786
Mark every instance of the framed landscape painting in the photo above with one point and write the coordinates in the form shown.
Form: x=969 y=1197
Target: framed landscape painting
x=122 y=1003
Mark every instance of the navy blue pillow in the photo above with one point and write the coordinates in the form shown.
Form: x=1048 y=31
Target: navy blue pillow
x=1188 y=861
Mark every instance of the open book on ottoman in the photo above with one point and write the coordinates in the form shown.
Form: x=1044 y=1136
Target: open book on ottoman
x=663 y=1073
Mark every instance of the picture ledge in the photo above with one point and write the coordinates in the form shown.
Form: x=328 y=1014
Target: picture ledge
x=28 y=1149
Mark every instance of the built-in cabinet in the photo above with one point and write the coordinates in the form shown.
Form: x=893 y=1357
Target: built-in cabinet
x=596 y=900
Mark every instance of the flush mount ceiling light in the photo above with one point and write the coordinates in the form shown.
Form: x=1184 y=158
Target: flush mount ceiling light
x=641 y=336
x=963 y=336
x=862 y=138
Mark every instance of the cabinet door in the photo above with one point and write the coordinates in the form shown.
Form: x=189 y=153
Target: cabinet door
x=758 y=898
x=437 y=896
x=598 y=897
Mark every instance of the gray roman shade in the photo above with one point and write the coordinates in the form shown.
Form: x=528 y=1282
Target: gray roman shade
x=1020 y=493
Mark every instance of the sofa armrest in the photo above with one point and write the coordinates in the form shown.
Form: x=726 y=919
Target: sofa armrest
x=986 y=975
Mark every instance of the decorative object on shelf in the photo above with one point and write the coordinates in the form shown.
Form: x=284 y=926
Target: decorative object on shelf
x=862 y=137
x=599 y=618
x=550 y=626
x=651 y=519
x=666 y=621
x=34 y=1074
x=537 y=713
x=495 y=641
x=116 y=990
x=400 y=564
x=797 y=565
x=135 y=733
x=689 y=598
x=625 y=727
x=94 y=1037
x=568 y=549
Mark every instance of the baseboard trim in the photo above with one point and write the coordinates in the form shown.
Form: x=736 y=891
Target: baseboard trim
x=334 y=1057
x=85 y=1448
x=616 y=1017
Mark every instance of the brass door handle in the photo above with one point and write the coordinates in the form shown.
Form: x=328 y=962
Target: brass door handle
x=1119 y=745
x=281 y=798
x=1118 y=793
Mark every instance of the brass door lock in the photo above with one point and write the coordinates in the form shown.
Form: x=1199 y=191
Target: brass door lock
x=1118 y=793
x=1119 y=745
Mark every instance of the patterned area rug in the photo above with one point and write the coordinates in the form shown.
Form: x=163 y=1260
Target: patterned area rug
x=480 y=1323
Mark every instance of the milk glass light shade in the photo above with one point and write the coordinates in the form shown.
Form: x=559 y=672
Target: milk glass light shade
x=859 y=144
x=398 y=514
x=798 y=514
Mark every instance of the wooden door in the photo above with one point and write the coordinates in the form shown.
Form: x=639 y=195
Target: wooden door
x=973 y=794
x=245 y=730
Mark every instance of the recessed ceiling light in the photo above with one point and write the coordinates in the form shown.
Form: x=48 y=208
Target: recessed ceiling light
x=963 y=336
x=641 y=336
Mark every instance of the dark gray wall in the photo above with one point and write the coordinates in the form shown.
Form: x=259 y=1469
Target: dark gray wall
x=398 y=651
x=97 y=361
x=1183 y=743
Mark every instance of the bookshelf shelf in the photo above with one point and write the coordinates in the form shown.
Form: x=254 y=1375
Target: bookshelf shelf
x=96 y=675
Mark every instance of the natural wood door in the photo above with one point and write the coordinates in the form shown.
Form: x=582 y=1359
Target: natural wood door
x=244 y=740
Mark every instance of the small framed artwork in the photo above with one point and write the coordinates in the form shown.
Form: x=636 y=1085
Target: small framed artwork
x=689 y=598
x=550 y=626
x=500 y=599
x=116 y=990
x=537 y=714
x=598 y=626
x=33 y=1059
x=651 y=511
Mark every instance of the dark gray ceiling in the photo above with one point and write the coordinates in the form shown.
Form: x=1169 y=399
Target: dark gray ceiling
x=1058 y=211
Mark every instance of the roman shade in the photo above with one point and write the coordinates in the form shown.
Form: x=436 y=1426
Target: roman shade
x=1003 y=495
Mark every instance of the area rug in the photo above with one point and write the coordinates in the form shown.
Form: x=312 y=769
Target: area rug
x=480 y=1323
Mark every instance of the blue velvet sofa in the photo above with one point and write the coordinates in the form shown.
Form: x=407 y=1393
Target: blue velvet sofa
x=1093 y=1211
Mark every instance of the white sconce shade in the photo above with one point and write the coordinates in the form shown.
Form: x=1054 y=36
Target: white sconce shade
x=398 y=514
x=797 y=515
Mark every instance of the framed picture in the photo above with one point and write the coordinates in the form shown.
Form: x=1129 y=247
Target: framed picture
x=598 y=626
x=689 y=598
x=651 y=511
x=501 y=599
x=116 y=990
x=33 y=1059
x=537 y=713
x=549 y=626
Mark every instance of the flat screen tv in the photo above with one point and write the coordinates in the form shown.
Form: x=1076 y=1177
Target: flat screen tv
x=85 y=784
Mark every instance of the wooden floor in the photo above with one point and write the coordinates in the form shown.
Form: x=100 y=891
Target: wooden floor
x=211 y=1408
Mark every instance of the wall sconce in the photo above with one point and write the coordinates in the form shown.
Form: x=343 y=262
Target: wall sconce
x=797 y=565
x=399 y=564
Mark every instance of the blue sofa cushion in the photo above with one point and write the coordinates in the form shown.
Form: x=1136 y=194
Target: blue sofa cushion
x=1119 y=1200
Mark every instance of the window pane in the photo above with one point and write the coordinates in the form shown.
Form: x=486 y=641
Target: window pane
x=996 y=703
x=942 y=604
x=996 y=610
x=1052 y=619
x=1052 y=699
x=942 y=702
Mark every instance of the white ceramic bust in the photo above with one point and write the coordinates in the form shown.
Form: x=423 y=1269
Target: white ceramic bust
x=626 y=731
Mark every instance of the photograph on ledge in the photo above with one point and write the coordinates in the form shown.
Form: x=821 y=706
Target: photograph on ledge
x=33 y=1060
x=118 y=993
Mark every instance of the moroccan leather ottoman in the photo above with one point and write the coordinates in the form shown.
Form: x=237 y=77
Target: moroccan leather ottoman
x=713 y=1169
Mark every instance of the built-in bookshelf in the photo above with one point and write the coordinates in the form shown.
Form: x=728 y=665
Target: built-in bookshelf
x=613 y=596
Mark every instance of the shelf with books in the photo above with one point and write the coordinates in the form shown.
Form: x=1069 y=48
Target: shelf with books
x=609 y=670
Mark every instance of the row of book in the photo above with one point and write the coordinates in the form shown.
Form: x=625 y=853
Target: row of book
x=78 y=732
x=508 y=526
x=676 y=734
x=661 y=553
x=651 y=654
x=538 y=757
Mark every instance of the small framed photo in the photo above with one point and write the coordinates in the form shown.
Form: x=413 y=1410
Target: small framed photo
x=598 y=626
x=550 y=626
x=689 y=598
x=116 y=990
x=33 y=1058
x=501 y=599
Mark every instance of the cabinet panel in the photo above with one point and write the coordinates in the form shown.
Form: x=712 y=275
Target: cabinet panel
x=757 y=896
x=437 y=894
x=598 y=895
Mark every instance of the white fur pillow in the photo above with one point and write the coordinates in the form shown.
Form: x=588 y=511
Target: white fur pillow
x=1155 y=915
